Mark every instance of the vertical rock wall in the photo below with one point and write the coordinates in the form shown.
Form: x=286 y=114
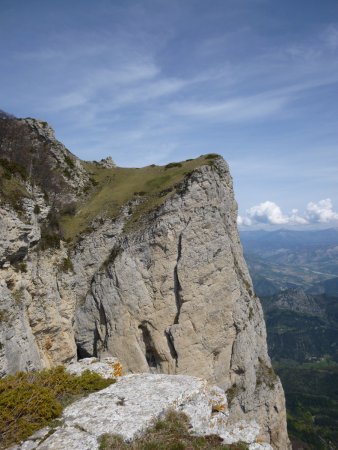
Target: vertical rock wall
x=169 y=294
x=176 y=297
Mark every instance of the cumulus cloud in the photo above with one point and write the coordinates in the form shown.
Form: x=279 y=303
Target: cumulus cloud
x=321 y=212
x=269 y=213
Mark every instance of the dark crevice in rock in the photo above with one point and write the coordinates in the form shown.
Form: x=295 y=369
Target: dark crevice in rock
x=171 y=346
x=151 y=354
x=177 y=284
x=82 y=352
x=100 y=333
x=104 y=324
x=96 y=340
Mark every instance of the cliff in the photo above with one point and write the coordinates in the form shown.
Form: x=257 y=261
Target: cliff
x=141 y=264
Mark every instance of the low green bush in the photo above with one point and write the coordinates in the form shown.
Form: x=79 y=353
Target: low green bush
x=66 y=265
x=30 y=401
x=173 y=164
x=13 y=168
x=49 y=240
x=68 y=160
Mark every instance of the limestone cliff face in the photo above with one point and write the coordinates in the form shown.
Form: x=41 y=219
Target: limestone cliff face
x=176 y=297
x=169 y=293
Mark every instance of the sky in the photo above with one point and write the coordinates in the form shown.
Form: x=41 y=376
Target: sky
x=154 y=81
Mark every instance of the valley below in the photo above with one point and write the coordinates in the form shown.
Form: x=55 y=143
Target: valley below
x=295 y=275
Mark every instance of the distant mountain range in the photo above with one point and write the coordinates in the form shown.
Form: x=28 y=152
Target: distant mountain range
x=284 y=259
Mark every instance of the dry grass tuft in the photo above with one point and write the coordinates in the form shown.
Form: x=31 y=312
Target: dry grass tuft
x=170 y=433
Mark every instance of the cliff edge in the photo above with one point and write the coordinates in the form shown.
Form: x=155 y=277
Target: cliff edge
x=142 y=264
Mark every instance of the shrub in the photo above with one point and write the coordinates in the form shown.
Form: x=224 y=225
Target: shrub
x=173 y=164
x=67 y=173
x=166 y=191
x=20 y=266
x=66 y=265
x=49 y=240
x=29 y=401
x=37 y=209
x=4 y=316
x=68 y=209
x=13 y=168
x=69 y=162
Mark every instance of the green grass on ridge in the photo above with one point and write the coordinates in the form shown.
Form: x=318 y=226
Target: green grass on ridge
x=117 y=186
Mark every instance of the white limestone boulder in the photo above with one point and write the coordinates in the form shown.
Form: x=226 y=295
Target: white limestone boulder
x=108 y=367
x=134 y=402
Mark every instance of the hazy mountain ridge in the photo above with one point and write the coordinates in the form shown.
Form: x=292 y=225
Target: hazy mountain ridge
x=285 y=259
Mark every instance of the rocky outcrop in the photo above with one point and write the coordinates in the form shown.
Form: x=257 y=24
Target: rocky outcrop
x=176 y=297
x=167 y=293
x=119 y=410
x=30 y=147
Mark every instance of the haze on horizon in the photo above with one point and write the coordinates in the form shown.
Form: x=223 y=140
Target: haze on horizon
x=153 y=81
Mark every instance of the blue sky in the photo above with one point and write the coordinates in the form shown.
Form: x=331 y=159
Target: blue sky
x=158 y=81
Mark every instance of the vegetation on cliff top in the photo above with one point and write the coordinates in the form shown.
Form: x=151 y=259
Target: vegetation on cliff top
x=141 y=188
x=30 y=401
x=26 y=155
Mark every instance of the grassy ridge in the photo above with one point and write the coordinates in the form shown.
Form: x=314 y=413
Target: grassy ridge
x=118 y=186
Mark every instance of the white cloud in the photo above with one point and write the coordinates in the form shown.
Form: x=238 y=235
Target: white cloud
x=244 y=221
x=321 y=212
x=269 y=213
x=296 y=219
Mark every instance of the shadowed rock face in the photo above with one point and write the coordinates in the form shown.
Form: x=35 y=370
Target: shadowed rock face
x=171 y=294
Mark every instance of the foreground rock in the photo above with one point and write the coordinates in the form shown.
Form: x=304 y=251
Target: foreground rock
x=107 y=368
x=131 y=405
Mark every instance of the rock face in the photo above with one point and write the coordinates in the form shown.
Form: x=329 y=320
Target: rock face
x=169 y=293
x=131 y=405
x=176 y=297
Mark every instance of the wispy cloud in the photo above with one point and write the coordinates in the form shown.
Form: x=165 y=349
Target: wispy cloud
x=158 y=81
x=331 y=36
x=232 y=110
